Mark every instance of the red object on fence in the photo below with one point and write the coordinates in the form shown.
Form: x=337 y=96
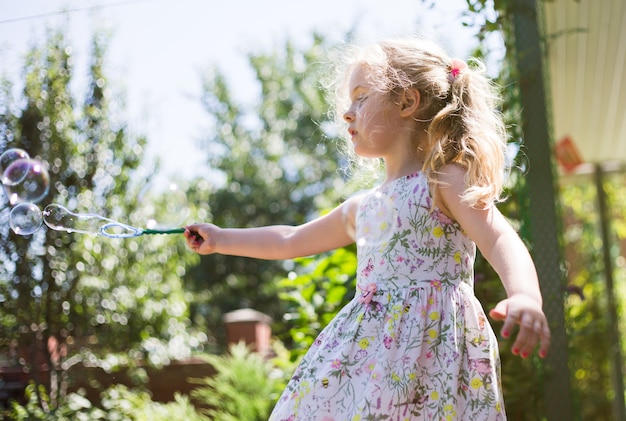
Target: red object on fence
x=567 y=154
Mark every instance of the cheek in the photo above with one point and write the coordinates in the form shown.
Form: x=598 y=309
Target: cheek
x=371 y=116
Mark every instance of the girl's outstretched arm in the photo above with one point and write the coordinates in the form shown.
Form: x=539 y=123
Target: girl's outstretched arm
x=274 y=242
x=506 y=252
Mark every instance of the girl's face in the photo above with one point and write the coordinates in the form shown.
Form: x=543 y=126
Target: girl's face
x=373 y=119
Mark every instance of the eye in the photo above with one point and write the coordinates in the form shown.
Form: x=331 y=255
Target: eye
x=359 y=100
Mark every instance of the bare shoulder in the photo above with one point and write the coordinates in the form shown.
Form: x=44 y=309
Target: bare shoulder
x=482 y=224
x=452 y=175
x=450 y=187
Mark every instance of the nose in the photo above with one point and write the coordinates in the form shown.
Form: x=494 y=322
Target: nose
x=349 y=115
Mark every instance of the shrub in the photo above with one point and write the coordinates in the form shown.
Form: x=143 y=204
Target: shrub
x=245 y=386
x=118 y=404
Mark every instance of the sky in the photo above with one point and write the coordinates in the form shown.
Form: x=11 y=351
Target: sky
x=159 y=49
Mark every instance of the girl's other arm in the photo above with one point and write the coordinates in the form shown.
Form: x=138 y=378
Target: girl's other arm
x=506 y=252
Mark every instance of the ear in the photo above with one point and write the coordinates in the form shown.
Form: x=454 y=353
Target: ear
x=409 y=102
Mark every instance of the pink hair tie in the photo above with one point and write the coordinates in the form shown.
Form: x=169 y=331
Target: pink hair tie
x=456 y=67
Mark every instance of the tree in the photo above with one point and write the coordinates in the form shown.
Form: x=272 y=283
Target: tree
x=279 y=166
x=70 y=297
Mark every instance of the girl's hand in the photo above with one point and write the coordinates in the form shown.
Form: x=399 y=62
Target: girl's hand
x=201 y=238
x=526 y=312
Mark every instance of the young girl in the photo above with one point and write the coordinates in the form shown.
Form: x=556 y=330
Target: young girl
x=414 y=343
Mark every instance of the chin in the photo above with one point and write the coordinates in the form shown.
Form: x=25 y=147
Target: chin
x=362 y=151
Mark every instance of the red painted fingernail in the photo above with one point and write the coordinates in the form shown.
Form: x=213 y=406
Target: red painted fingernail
x=524 y=354
x=505 y=333
x=515 y=351
x=543 y=354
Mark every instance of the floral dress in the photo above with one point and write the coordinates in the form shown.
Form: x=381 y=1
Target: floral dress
x=414 y=343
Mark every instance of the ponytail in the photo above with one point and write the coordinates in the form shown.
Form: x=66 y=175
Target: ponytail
x=469 y=131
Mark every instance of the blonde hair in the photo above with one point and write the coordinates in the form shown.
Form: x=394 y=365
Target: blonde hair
x=458 y=111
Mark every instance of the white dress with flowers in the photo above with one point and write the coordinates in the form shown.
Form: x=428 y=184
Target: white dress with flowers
x=414 y=343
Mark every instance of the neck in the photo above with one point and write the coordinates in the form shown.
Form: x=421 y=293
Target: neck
x=406 y=157
x=395 y=170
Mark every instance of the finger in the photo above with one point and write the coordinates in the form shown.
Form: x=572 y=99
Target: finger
x=193 y=231
x=520 y=340
x=510 y=321
x=533 y=338
x=192 y=227
x=498 y=312
x=545 y=341
x=194 y=239
x=533 y=329
x=196 y=236
x=528 y=335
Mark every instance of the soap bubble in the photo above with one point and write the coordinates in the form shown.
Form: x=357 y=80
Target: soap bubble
x=163 y=205
x=370 y=218
x=9 y=156
x=16 y=172
x=59 y=218
x=26 y=180
x=25 y=218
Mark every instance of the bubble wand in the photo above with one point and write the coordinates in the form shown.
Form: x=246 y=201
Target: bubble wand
x=59 y=218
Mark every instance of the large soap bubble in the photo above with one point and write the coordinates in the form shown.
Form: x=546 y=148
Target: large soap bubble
x=26 y=180
x=163 y=205
x=9 y=156
x=25 y=218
